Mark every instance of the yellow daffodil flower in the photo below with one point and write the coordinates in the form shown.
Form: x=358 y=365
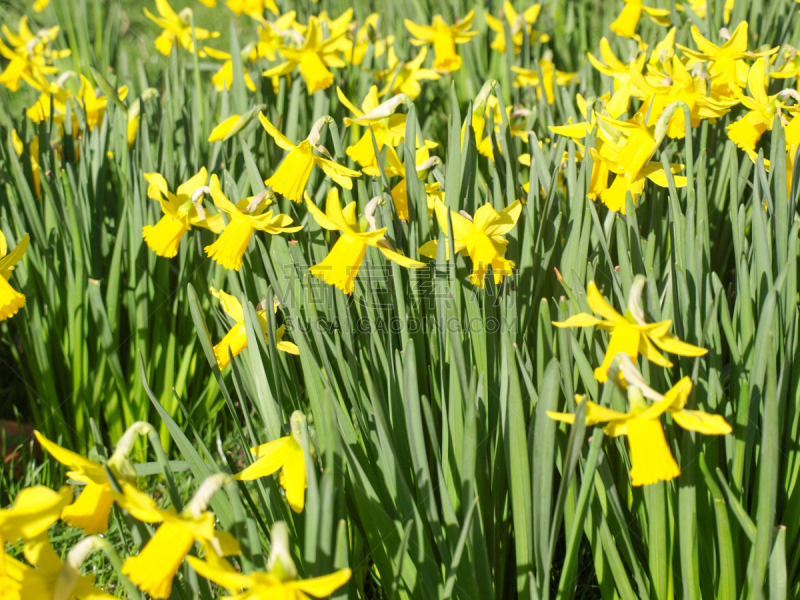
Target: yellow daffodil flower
x=271 y=35
x=481 y=238
x=290 y=178
x=313 y=57
x=34 y=510
x=10 y=299
x=444 y=38
x=727 y=61
x=356 y=49
x=252 y=7
x=394 y=167
x=630 y=334
x=518 y=24
x=40 y=5
x=651 y=458
x=223 y=79
x=614 y=67
x=700 y=8
x=177 y=29
x=243 y=219
x=389 y=129
x=337 y=27
x=625 y=25
x=52 y=578
x=236 y=338
x=341 y=265
x=487 y=108
x=91 y=510
x=284 y=454
x=678 y=85
x=95 y=107
x=180 y=213
x=404 y=78
x=154 y=568
x=746 y=132
x=30 y=56
x=279 y=582
x=550 y=75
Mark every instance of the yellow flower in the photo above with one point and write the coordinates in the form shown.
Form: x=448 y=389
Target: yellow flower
x=51 y=578
x=651 y=459
x=551 y=76
x=727 y=61
x=243 y=218
x=284 y=454
x=95 y=107
x=223 y=79
x=40 y=5
x=236 y=338
x=518 y=24
x=154 y=568
x=177 y=29
x=34 y=510
x=313 y=57
x=404 y=78
x=746 y=132
x=444 y=38
x=271 y=35
x=700 y=8
x=180 y=213
x=341 y=265
x=613 y=67
x=252 y=7
x=291 y=177
x=389 y=130
x=486 y=107
x=630 y=334
x=659 y=90
x=91 y=510
x=356 y=49
x=10 y=299
x=625 y=25
x=480 y=237
x=30 y=56
x=280 y=582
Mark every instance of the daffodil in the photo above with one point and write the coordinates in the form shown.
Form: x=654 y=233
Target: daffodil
x=404 y=78
x=34 y=510
x=180 y=213
x=727 y=61
x=91 y=510
x=356 y=50
x=52 y=105
x=341 y=265
x=290 y=178
x=487 y=108
x=746 y=132
x=284 y=454
x=252 y=7
x=651 y=458
x=625 y=24
x=630 y=334
x=480 y=237
x=243 y=219
x=678 y=85
x=550 y=76
x=444 y=38
x=313 y=57
x=279 y=582
x=30 y=56
x=394 y=167
x=336 y=28
x=389 y=129
x=700 y=8
x=177 y=29
x=271 y=35
x=154 y=568
x=236 y=338
x=52 y=578
x=95 y=107
x=223 y=79
x=614 y=67
x=518 y=24
x=40 y=5
x=10 y=299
